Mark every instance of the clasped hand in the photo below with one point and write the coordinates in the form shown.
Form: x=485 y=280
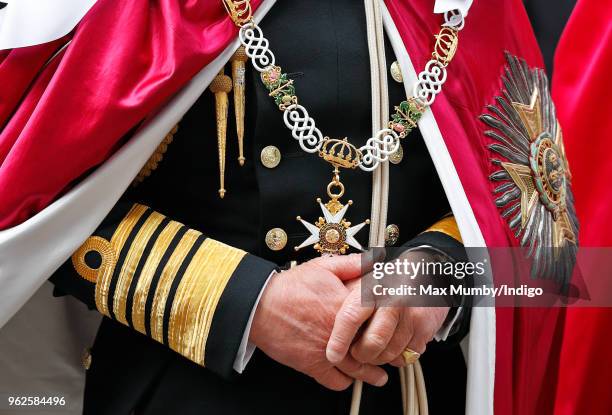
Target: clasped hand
x=311 y=319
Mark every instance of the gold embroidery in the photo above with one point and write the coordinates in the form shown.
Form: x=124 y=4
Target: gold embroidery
x=447 y=226
x=132 y=259
x=239 y=10
x=117 y=241
x=103 y=248
x=155 y=158
x=197 y=297
x=144 y=281
x=165 y=282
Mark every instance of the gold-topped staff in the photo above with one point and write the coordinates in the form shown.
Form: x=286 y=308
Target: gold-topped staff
x=221 y=86
x=238 y=74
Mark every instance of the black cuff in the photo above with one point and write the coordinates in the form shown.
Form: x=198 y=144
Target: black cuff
x=454 y=250
x=441 y=241
x=168 y=282
x=233 y=312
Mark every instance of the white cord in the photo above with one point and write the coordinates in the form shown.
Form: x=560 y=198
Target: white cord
x=376 y=151
x=380 y=115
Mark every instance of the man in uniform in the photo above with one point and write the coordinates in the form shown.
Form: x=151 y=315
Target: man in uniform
x=160 y=219
x=208 y=307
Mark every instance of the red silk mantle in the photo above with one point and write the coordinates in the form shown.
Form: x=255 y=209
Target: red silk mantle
x=581 y=88
x=123 y=63
x=527 y=340
x=61 y=120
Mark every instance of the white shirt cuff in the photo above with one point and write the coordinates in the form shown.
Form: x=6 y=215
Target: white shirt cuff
x=246 y=349
x=444 y=331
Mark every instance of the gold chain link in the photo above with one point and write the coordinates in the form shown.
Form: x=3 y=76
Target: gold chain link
x=240 y=11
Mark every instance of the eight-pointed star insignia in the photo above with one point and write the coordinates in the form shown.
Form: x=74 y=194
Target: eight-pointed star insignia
x=532 y=178
x=332 y=234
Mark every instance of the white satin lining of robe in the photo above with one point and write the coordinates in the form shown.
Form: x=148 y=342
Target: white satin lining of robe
x=33 y=22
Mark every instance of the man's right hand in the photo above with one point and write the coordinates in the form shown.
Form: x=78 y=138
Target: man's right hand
x=295 y=316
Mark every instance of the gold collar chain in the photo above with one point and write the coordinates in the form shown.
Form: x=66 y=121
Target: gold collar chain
x=332 y=233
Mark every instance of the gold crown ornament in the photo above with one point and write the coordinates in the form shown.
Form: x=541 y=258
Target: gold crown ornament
x=340 y=153
x=332 y=234
x=447 y=42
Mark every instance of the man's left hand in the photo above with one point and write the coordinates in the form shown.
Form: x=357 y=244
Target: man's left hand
x=386 y=333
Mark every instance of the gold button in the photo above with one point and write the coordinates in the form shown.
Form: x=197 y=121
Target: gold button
x=276 y=239
x=270 y=157
x=396 y=72
x=391 y=235
x=397 y=156
x=86 y=358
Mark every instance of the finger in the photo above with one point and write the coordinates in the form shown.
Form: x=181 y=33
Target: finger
x=401 y=338
x=371 y=374
x=423 y=332
x=398 y=361
x=377 y=334
x=354 y=284
x=345 y=267
x=334 y=379
x=349 y=319
x=418 y=344
x=372 y=256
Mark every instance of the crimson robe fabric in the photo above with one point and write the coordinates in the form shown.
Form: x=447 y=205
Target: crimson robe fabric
x=60 y=120
x=528 y=340
x=63 y=118
x=582 y=88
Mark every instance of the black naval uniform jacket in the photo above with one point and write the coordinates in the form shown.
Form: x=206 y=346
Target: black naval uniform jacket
x=158 y=280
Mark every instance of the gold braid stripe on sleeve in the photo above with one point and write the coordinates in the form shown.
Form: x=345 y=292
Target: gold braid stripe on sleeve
x=447 y=226
x=197 y=297
x=159 y=252
x=117 y=241
x=131 y=262
x=146 y=276
x=165 y=283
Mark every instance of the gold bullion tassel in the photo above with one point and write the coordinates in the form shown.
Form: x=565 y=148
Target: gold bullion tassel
x=238 y=74
x=221 y=86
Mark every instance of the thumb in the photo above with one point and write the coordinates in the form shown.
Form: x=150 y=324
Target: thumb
x=345 y=267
